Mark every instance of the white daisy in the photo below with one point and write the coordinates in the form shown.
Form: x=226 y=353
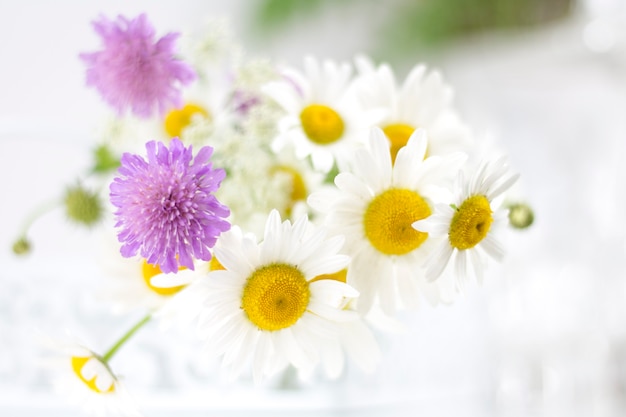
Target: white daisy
x=424 y=101
x=87 y=381
x=298 y=181
x=466 y=228
x=321 y=118
x=133 y=284
x=375 y=208
x=183 y=309
x=266 y=306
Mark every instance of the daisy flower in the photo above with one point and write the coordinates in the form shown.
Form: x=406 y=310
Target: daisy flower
x=166 y=207
x=374 y=209
x=266 y=306
x=87 y=381
x=297 y=181
x=466 y=228
x=133 y=70
x=321 y=119
x=423 y=100
x=133 y=284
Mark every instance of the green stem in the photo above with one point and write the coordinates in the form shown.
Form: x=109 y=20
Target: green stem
x=37 y=213
x=109 y=353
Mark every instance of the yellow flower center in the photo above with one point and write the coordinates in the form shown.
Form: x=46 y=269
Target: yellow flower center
x=215 y=265
x=275 y=296
x=77 y=366
x=388 y=221
x=470 y=223
x=298 y=190
x=337 y=276
x=178 y=119
x=149 y=270
x=398 y=134
x=321 y=124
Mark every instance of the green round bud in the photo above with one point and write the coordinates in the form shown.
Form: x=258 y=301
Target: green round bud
x=83 y=206
x=521 y=215
x=21 y=246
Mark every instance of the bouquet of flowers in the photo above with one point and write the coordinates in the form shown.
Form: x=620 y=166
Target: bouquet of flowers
x=285 y=212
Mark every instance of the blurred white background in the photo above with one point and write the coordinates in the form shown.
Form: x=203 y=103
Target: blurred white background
x=545 y=336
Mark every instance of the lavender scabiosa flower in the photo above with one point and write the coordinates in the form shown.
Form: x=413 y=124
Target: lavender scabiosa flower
x=166 y=207
x=135 y=71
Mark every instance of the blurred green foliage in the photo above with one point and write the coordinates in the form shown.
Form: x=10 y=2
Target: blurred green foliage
x=436 y=21
x=419 y=23
x=273 y=14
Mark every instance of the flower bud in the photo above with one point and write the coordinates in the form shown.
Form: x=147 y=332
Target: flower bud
x=521 y=215
x=83 y=206
x=22 y=246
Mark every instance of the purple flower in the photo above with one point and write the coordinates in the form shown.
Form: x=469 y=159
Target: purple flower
x=133 y=71
x=166 y=208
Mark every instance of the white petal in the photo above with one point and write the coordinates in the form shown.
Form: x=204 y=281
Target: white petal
x=328 y=265
x=433 y=225
x=491 y=194
x=178 y=279
x=322 y=160
x=478 y=266
x=438 y=260
x=333 y=359
x=332 y=291
x=349 y=183
x=461 y=264
x=361 y=346
x=233 y=260
x=239 y=338
x=262 y=354
x=288 y=346
x=310 y=247
x=331 y=313
x=407 y=288
x=90 y=369
x=324 y=199
x=103 y=381
x=379 y=145
x=387 y=294
x=222 y=340
x=364 y=168
x=492 y=247
x=318 y=326
x=284 y=94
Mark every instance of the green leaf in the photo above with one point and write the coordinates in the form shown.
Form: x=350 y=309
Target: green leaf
x=105 y=160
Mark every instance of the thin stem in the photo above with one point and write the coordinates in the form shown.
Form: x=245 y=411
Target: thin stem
x=37 y=213
x=109 y=353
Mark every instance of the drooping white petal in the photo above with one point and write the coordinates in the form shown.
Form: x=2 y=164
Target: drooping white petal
x=492 y=247
x=461 y=264
x=439 y=260
x=495 y=193
x=361 y=346
x=333 y=358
